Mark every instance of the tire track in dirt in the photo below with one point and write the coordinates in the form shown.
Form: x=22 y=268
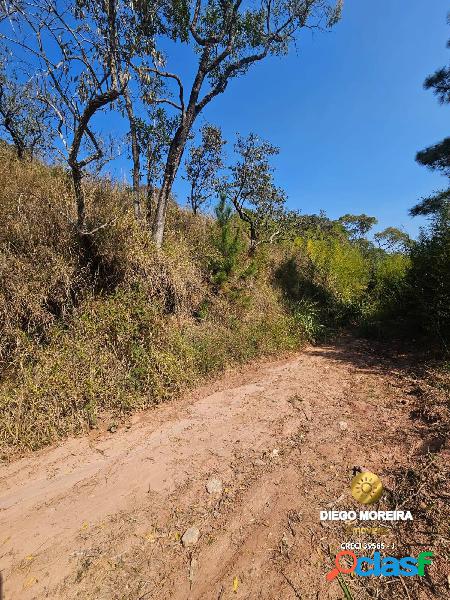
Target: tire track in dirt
x=101 y=517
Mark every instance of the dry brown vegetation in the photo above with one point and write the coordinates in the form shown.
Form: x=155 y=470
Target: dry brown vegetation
x=421 y=485
x=106 y=323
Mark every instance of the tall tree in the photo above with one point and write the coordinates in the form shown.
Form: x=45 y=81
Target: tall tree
x=154 y=135
x=357 y=226
x=136 y=43
x=436 y=157
x=135 y=152
x=429 y=275
x=78 y=61
x=202 y=166
x=228 y=37
x=393 y=239
x=23 y=115
x=251 y=189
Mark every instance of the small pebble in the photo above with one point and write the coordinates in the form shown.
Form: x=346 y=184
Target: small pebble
x=214 y=486
x=190 y=536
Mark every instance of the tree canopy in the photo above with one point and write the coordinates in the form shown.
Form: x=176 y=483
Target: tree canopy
x=436 y=157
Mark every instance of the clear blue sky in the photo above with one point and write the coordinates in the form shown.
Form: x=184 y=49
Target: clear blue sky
x=348 y=110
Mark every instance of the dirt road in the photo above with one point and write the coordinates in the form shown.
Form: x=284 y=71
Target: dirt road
x=101 y=517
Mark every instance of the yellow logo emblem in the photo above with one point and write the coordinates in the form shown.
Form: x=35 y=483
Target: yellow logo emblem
x=366 y=487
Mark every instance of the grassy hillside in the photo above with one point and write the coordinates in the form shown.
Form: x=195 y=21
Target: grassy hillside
x=109 y=324
x=95 y=327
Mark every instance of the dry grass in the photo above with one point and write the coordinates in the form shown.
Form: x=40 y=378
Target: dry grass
x=111 y=325
x=423 y=486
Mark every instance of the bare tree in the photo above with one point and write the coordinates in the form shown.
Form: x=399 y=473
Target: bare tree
x=136 y=44
x=135 y=154
x=228 y=37
x=23 y=116
x=154 y=136
x=79 y=66
x=251 y=189
x=202 y=166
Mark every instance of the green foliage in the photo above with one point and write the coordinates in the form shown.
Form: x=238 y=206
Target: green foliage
x=428 y=291
x=383 y=313
x=228 y=243
x=296 y=224
x=390 y=274
x=410 y=293
x=325 y=282
x=357 y=226
x=393 y=239
x=308 y=317
x=331 y=281
x=431 y=205
x=340 y=267
x=251 y=189
x=439 y=82
x=429 y=280
x=437 y=157
x=203 y=165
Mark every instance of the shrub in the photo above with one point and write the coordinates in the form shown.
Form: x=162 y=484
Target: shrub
x=429 y=281
x=95 y=330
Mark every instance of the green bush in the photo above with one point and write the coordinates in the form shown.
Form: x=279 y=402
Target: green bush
x=429 y=281
x=228 y=244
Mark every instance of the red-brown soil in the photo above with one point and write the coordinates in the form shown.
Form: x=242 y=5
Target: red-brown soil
x=101 y=517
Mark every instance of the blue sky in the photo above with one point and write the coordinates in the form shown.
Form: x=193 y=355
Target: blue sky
x=348 y=110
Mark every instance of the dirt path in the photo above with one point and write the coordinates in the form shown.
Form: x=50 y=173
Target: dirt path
x=101 y=517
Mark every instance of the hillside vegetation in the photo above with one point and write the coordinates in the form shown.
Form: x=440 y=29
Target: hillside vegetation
x=97 y=326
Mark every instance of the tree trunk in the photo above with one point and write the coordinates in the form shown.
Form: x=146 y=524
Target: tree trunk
x=173 y=162
x=161 y=210
x=176 y=150
x=244 y=216
x=20 y=151
x=193 y=202
x=135 y=154
x=77 y=177
x=76 y=166
x=253 y=239
x=150 y=194
x=17 y=141
x=136 y=190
